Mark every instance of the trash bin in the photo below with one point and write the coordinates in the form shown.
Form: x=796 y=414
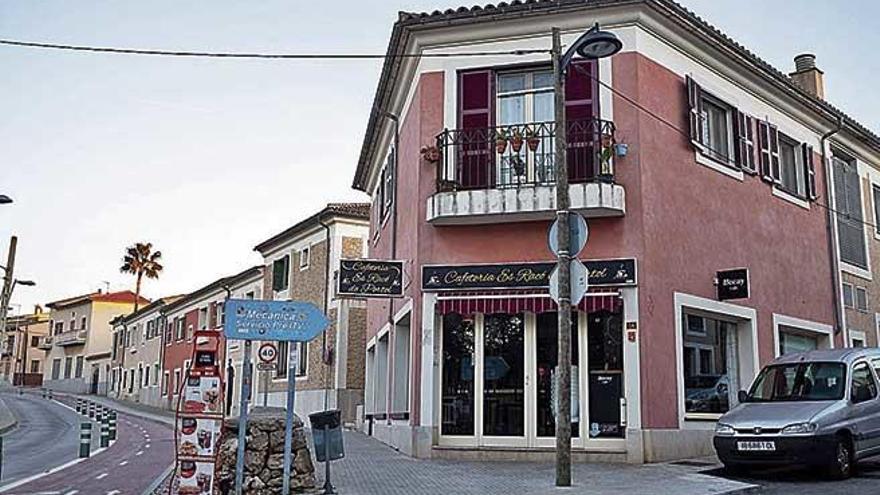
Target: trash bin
x=327 y=434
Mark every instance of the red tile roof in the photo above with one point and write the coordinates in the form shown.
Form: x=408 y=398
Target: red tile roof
x=125 y=296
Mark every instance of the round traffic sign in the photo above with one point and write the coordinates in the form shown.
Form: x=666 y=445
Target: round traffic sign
x=267 y=352
x=579 y=233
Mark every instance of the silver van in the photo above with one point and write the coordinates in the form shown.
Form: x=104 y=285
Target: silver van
x=817 y=408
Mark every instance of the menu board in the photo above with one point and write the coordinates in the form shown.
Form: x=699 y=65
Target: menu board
x=197 y=437
x=195 y=478
x=202 y=395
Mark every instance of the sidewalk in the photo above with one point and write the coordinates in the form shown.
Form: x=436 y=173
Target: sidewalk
x=144 y=411
x=372 y=468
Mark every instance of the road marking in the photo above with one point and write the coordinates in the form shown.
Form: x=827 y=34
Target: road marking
x=139 y=452
x=147 y=446
x=72 y=492
x=15 y=484
x=113 y=492
x=101 y=476
x=123 y=463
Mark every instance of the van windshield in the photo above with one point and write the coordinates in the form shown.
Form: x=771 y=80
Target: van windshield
x=799 y=382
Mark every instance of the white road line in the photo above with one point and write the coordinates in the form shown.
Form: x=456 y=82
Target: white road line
x=72 y=492
x=140 y=452
x=113 y=492
x=16 y=484
x=101 y=476
x=123 y=463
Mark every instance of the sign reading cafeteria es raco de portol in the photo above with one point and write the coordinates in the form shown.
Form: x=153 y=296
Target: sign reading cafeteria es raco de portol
x=601 y=273
x=370 y=278
x=248 y=319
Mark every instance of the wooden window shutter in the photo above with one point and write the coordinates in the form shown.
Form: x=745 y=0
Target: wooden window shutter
x=475 y=163
x=775 y=170
x=581 y=108
x=695 y=112
x=810 y=170
x=764 y=150
x=746 y=142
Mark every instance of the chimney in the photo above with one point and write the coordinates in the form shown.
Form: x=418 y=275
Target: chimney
x=808 y=76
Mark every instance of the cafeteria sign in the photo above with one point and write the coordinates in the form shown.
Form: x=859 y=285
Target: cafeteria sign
x=370 y=278
x=249 y=319
x=600 y=273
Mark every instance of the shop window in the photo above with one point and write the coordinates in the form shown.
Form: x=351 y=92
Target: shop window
x=457 y=414
x=400 y=396
x=547 y=355
x=381 y=376
x=503 y=375
x=710 y=360
x=369 y=395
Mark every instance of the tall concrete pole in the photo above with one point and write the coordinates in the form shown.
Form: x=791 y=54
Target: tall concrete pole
x=563 y=368
x=6 y=293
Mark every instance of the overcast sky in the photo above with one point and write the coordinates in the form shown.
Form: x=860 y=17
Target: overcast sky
x=206 y=158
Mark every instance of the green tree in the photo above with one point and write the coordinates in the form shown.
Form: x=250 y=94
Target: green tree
x=140 y=260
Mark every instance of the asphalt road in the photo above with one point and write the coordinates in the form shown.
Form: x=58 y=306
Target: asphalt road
x=47 y=435
x=809 y=482
x=143 y=451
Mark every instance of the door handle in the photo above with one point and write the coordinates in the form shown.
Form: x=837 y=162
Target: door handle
x=623 y=412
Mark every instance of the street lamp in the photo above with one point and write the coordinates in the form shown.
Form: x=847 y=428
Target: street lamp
x=592 y=45
x=27 y=283
x=5 y=200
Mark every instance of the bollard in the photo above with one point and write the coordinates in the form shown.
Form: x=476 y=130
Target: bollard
x=85 y=439
x=50 y=394
x=1 y=456
x=91 y=410
x=79 y=406
x=43 y=393
x=112 y=425
x=99 y=414
x=105 y=429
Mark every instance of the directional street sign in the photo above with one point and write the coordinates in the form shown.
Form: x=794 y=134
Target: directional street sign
x=267 y=352
x=249 y=319
x=579 y=283
x=577 y=225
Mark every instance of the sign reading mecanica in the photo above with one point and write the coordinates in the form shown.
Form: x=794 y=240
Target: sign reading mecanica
x=606 y=273
x=370 y=278
x=249 y=319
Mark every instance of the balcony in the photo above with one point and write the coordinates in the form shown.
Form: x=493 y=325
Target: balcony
x=45 y=343
x=506 y=173
x=73 y=337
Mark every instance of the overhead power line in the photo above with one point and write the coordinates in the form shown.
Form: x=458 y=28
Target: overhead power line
x=245 y=55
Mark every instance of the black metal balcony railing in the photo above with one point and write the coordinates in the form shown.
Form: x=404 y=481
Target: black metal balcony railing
x=523 y=154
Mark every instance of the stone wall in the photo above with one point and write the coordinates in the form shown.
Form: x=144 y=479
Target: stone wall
x=264 y=455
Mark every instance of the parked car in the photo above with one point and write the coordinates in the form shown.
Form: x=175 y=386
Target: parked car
x=818 y=409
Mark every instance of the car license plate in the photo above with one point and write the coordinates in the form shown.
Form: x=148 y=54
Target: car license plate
x=756 y=446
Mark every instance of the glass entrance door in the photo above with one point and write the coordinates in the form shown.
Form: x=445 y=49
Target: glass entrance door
x=546 y=358
x=503 y=377
x=605 y=377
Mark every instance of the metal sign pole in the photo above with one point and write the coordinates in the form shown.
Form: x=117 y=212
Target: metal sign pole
x=242 y=415
x=293 y=364
x=266 y=374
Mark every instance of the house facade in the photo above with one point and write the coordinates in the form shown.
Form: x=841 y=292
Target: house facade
x=300 y=265
x=135 y=358
x=689 y=157
x=202 y=310
x=81 y=339
x=23 y=355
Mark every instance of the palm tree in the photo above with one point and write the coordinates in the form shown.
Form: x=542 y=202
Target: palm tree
x=141 y=260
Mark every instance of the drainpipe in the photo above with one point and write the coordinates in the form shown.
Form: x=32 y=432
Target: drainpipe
x=326 y=293
x=839 y=317
x=392 y=335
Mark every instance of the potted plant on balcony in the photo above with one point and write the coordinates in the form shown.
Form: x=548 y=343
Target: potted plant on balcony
x=516 y=140
x=532 y=139
x=606 y=151
x=500 y=141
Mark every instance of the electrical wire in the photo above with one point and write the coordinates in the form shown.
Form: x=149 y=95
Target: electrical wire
x=686 y=134
x=245 y=55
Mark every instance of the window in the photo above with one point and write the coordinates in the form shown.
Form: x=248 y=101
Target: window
x=525 y=97
x=124 y=379
x=203 y=318
x=717 y=132
x=189 y=332
x=59 y=327
x=165 y=383
x=793 y=174
x=793 y=341
x=280 y=273
x=79 y=367
x=146 y=377
x=848 y=203
x=156 y=374
x=186 y=365
x=696 y=325
x=68 y=367
x=861 y=299
x=848 y=297
x=35 y=365
x=178 y=322
x=169 y=332
x=151 y=329
x=863 y=386
x=304 y=257
x=140 y=376
x=284 y=355
x=83 y=323
x=221 y=315
x=249 y=295
x=72 y=321
x=131 y=381
x=709 y=363
x=176 y=382
x=35 y=341
x=56 y=368
x=281 y=370
x=876 y=196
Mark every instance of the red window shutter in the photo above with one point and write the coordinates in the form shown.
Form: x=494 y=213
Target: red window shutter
x=581 y=111
x=695 y=112
x=475 y=164
x=746 y=142
x=764 y=146
x=810 y=169
x=774 y=154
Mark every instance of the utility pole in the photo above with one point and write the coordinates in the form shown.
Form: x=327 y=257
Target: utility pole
x=563 y=267
x=6 y=293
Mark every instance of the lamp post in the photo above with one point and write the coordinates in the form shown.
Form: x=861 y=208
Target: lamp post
x=593 y=44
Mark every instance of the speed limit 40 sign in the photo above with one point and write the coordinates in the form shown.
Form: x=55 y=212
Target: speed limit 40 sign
x=267 y=353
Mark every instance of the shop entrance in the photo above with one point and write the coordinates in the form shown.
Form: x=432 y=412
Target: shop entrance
x=499 y=378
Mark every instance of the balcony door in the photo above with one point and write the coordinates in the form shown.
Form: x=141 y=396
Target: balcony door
x=525 y=106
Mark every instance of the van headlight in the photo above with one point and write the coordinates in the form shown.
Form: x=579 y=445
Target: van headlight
x=724 y=430
x=800 y=429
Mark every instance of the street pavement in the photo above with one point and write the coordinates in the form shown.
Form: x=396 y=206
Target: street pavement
x=779 y=481
x=143 y=451
x=372 y=468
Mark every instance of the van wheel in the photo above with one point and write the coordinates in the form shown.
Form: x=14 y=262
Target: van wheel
x=841 y=466
x=735 y=470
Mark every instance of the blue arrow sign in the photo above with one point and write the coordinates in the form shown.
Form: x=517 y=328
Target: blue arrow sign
x=248 y=319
